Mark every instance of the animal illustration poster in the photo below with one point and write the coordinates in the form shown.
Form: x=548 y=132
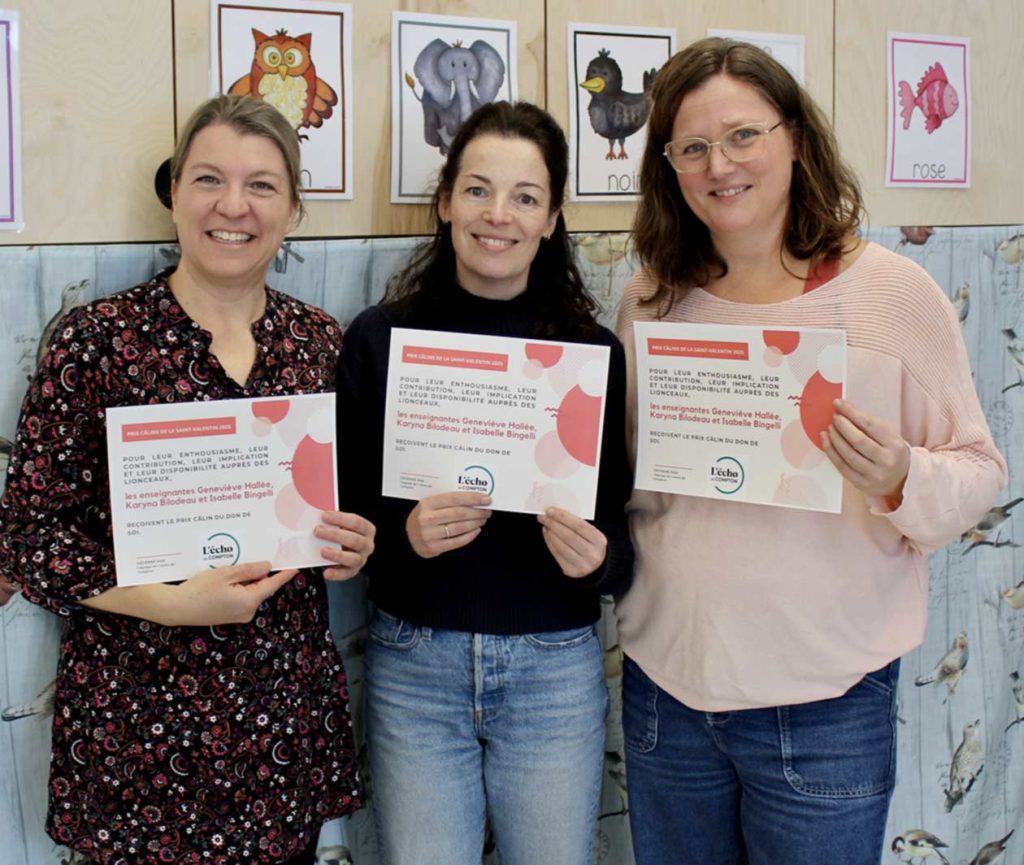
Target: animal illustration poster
x=787 y=48
x=11 y=215
x=443 y=68
x=611 y=73
x=298 y=57
x=928 y=141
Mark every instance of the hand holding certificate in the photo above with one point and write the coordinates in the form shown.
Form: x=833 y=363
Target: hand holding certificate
x=519 y=421
x=738 y=413
x=206 y=484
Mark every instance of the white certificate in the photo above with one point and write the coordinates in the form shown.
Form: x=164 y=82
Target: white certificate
x=735 y=413
x=202 y=484
x=518 y=419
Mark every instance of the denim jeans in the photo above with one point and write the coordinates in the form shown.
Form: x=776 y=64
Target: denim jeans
x=461 y=725
x=790 y=785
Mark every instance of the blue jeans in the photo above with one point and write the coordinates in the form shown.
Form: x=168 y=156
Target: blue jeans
x=462 y=725
x=791 y=785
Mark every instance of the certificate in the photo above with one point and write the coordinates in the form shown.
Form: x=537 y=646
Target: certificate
x=203 y=484
x=520 y=420
x=735 y=413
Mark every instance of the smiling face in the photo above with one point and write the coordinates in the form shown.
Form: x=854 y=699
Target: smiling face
x=499 y=209
x=736 y=201
x=232 y=206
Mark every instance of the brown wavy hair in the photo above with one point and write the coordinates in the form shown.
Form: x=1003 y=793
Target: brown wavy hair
x=825 y=204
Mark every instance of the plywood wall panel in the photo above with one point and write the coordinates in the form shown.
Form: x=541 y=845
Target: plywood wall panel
x=996 y=30
x=97 y=114
x=812 y=18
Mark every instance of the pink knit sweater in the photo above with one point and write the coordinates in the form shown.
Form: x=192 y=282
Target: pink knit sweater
x=738 y=606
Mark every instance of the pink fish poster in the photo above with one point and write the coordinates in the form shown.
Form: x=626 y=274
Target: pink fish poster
x=929 y=131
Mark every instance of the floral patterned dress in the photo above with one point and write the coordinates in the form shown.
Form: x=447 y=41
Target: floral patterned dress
x=228 y=744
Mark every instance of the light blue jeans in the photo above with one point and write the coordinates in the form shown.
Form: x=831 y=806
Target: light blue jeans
x=462 y=725
x=800 y=785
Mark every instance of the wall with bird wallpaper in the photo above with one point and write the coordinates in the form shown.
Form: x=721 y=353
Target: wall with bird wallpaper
x=960 y=793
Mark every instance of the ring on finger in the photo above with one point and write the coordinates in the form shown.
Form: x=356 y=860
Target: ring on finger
x=447 y=534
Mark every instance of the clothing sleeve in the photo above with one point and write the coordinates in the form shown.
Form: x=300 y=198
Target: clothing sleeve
x=955 y=469
x=55 y=540
x=362 y=392
x=614 y=486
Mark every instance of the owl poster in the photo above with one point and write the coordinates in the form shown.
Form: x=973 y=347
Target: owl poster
x=298 y=57
x=611 y=73
x=442 y=69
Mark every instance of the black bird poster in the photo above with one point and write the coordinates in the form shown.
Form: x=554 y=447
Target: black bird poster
x=611 y=72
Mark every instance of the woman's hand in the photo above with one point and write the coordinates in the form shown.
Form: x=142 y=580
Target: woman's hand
x=577 y=546
x=218 y=596
x=868 y=452
x=226 y=595
x=352 y=537
x=445 y=522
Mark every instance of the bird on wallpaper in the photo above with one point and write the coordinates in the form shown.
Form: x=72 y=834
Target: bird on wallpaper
x=918 y=844
x=283 y=74
x=1017 y=689
x=935 y=96
x=614 y=113
x=1011 y=249
x=42 y=704
x=72 y=295
x=1015 y=346
x=914 y=234
x=978 y=535
x=337 y=854
x=950 y=667
x=962 y=302
x=991 y=851
x=1014 y=595
x=968 y=762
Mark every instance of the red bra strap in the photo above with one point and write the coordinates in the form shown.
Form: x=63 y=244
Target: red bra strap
x=820 y=273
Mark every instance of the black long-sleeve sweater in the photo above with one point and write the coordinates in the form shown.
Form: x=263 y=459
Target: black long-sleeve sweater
x=506 y=581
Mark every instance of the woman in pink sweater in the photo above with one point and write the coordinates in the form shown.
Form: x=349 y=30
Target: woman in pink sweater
x=763 y=643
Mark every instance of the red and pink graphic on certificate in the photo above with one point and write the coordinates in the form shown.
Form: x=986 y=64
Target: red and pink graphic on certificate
x=736 y=412
x=200 y=485
x=520 y=420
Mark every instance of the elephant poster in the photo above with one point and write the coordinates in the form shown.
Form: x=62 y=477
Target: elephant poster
x=611 y=73
x=443 y=68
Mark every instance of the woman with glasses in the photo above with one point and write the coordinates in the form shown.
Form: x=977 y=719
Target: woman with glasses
x=763 y=643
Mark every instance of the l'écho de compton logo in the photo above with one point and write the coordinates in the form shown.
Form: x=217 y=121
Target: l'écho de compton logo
x=727 y=475
x=221 y=549
x=476 y=479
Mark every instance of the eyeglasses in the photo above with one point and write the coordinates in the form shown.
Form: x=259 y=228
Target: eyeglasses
x=690 y=155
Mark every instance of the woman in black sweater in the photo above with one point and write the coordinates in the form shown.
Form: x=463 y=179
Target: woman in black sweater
x=485 y=692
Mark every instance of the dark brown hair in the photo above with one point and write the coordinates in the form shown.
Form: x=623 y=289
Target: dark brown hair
x=563 y=305
x=825 y=204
